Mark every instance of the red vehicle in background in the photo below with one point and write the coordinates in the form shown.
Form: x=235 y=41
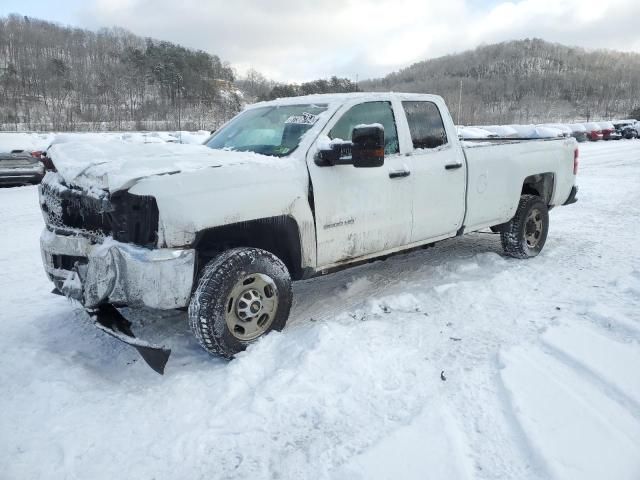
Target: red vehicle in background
x=609 y=131
x=594 y=131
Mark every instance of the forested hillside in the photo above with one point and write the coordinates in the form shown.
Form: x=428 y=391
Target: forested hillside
x=62 y=78
x=525 y=81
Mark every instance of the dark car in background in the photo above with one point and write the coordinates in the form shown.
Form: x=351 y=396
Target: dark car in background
x=626 y=128
x=578 y=132
x=20 y=167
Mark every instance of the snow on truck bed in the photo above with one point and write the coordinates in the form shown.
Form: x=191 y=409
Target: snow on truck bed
x=540 y=360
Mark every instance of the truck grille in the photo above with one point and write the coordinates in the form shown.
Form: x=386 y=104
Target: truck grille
x=65 y=208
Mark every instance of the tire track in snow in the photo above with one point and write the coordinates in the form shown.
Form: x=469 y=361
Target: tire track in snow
x=583 y=349
x=579 y=430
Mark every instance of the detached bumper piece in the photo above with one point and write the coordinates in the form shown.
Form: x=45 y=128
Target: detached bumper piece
x=572 y=196
x=108 y=319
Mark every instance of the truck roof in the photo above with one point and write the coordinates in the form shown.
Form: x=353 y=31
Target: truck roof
x=340 y=98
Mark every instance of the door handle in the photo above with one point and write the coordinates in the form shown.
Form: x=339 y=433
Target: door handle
x=452 y=166
x=399 y=173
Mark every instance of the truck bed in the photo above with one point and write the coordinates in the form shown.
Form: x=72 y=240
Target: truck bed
x=497 y=168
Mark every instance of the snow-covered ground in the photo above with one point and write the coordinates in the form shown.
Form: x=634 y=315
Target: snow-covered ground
x=449 y=363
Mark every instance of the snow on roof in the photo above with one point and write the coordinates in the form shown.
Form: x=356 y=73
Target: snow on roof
x=24 y=141
x=339 y=98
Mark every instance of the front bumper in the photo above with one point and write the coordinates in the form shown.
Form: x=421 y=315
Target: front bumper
x=23 y=175
x=118 y=273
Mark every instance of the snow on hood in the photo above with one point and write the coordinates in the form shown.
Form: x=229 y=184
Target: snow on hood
x=114 y=165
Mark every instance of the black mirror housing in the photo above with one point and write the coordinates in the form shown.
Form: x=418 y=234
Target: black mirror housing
x=336 y=154
x=367 y=149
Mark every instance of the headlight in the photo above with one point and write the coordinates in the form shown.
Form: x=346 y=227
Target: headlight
x=134 y=219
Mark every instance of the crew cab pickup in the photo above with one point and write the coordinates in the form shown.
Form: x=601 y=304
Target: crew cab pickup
x=286 y=190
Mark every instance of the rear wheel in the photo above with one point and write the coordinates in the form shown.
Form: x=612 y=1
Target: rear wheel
x=242 y=295
x=525 y=234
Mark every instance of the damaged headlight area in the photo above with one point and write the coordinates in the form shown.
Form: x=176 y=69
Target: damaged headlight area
x=134 y=219
x=126 y=217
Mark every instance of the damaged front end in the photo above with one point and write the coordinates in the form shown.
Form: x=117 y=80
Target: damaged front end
x=108 y=319
x=98 y=249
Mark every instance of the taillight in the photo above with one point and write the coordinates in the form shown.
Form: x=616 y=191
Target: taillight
x=36 y=154
x=576 y=154
x=48 y=164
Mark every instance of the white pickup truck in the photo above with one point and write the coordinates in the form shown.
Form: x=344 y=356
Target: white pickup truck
x=286 y=190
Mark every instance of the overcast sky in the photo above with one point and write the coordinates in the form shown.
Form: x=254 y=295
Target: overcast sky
x=297 y=40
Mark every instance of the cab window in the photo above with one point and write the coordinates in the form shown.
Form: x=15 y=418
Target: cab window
x=425 y=124
x=366 y=114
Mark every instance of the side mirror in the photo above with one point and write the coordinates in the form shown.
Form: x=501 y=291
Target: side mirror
x=367 y=149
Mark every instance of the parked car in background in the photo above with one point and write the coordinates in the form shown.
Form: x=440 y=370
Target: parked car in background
x=594 y=131
x=20 y=167
x=536 y=131
x=566 y=131
x=609 y=131
x=578 y=132
x=501 y=131
x=470 y=133
x=627 y=128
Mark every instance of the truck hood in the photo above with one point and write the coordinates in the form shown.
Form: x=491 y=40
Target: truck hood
x=115 y=165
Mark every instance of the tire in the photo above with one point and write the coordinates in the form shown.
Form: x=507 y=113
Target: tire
x=526 y=233
x=234 y=293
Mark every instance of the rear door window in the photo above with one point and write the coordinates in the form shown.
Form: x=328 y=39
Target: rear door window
x=425 y=124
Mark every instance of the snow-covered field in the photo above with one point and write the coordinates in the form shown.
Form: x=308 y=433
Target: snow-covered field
x=449 y=363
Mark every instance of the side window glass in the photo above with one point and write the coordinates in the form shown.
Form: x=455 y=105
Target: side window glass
x=425 y=124
x=368 y=113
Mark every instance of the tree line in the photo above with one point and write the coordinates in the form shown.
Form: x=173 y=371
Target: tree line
x=62 y=78
x=54 y=77
x=258 y=88
x=525 y=81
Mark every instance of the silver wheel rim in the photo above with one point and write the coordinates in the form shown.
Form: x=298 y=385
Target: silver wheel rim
x=251 y=306
x=533 y=228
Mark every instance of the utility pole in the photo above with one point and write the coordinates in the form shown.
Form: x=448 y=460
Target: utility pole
x=179 y=78
x=460 y=102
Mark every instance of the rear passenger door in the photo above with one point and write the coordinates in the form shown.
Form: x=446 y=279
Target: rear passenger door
x=438 y=171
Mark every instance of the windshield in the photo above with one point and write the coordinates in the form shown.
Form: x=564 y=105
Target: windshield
x=272 y=130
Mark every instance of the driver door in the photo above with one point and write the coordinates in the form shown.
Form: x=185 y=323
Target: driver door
x=361 y=211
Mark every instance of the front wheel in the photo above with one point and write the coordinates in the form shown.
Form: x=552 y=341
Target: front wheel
x=526 y=233
x=242 y=295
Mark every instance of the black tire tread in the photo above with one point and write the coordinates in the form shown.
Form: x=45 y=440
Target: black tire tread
x=511 y=236
x=216 y=274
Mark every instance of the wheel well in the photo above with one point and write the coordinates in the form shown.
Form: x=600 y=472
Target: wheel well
x=540 y=184
x=278 y=235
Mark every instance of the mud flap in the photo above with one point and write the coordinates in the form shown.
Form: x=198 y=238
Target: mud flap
x=108 y=319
